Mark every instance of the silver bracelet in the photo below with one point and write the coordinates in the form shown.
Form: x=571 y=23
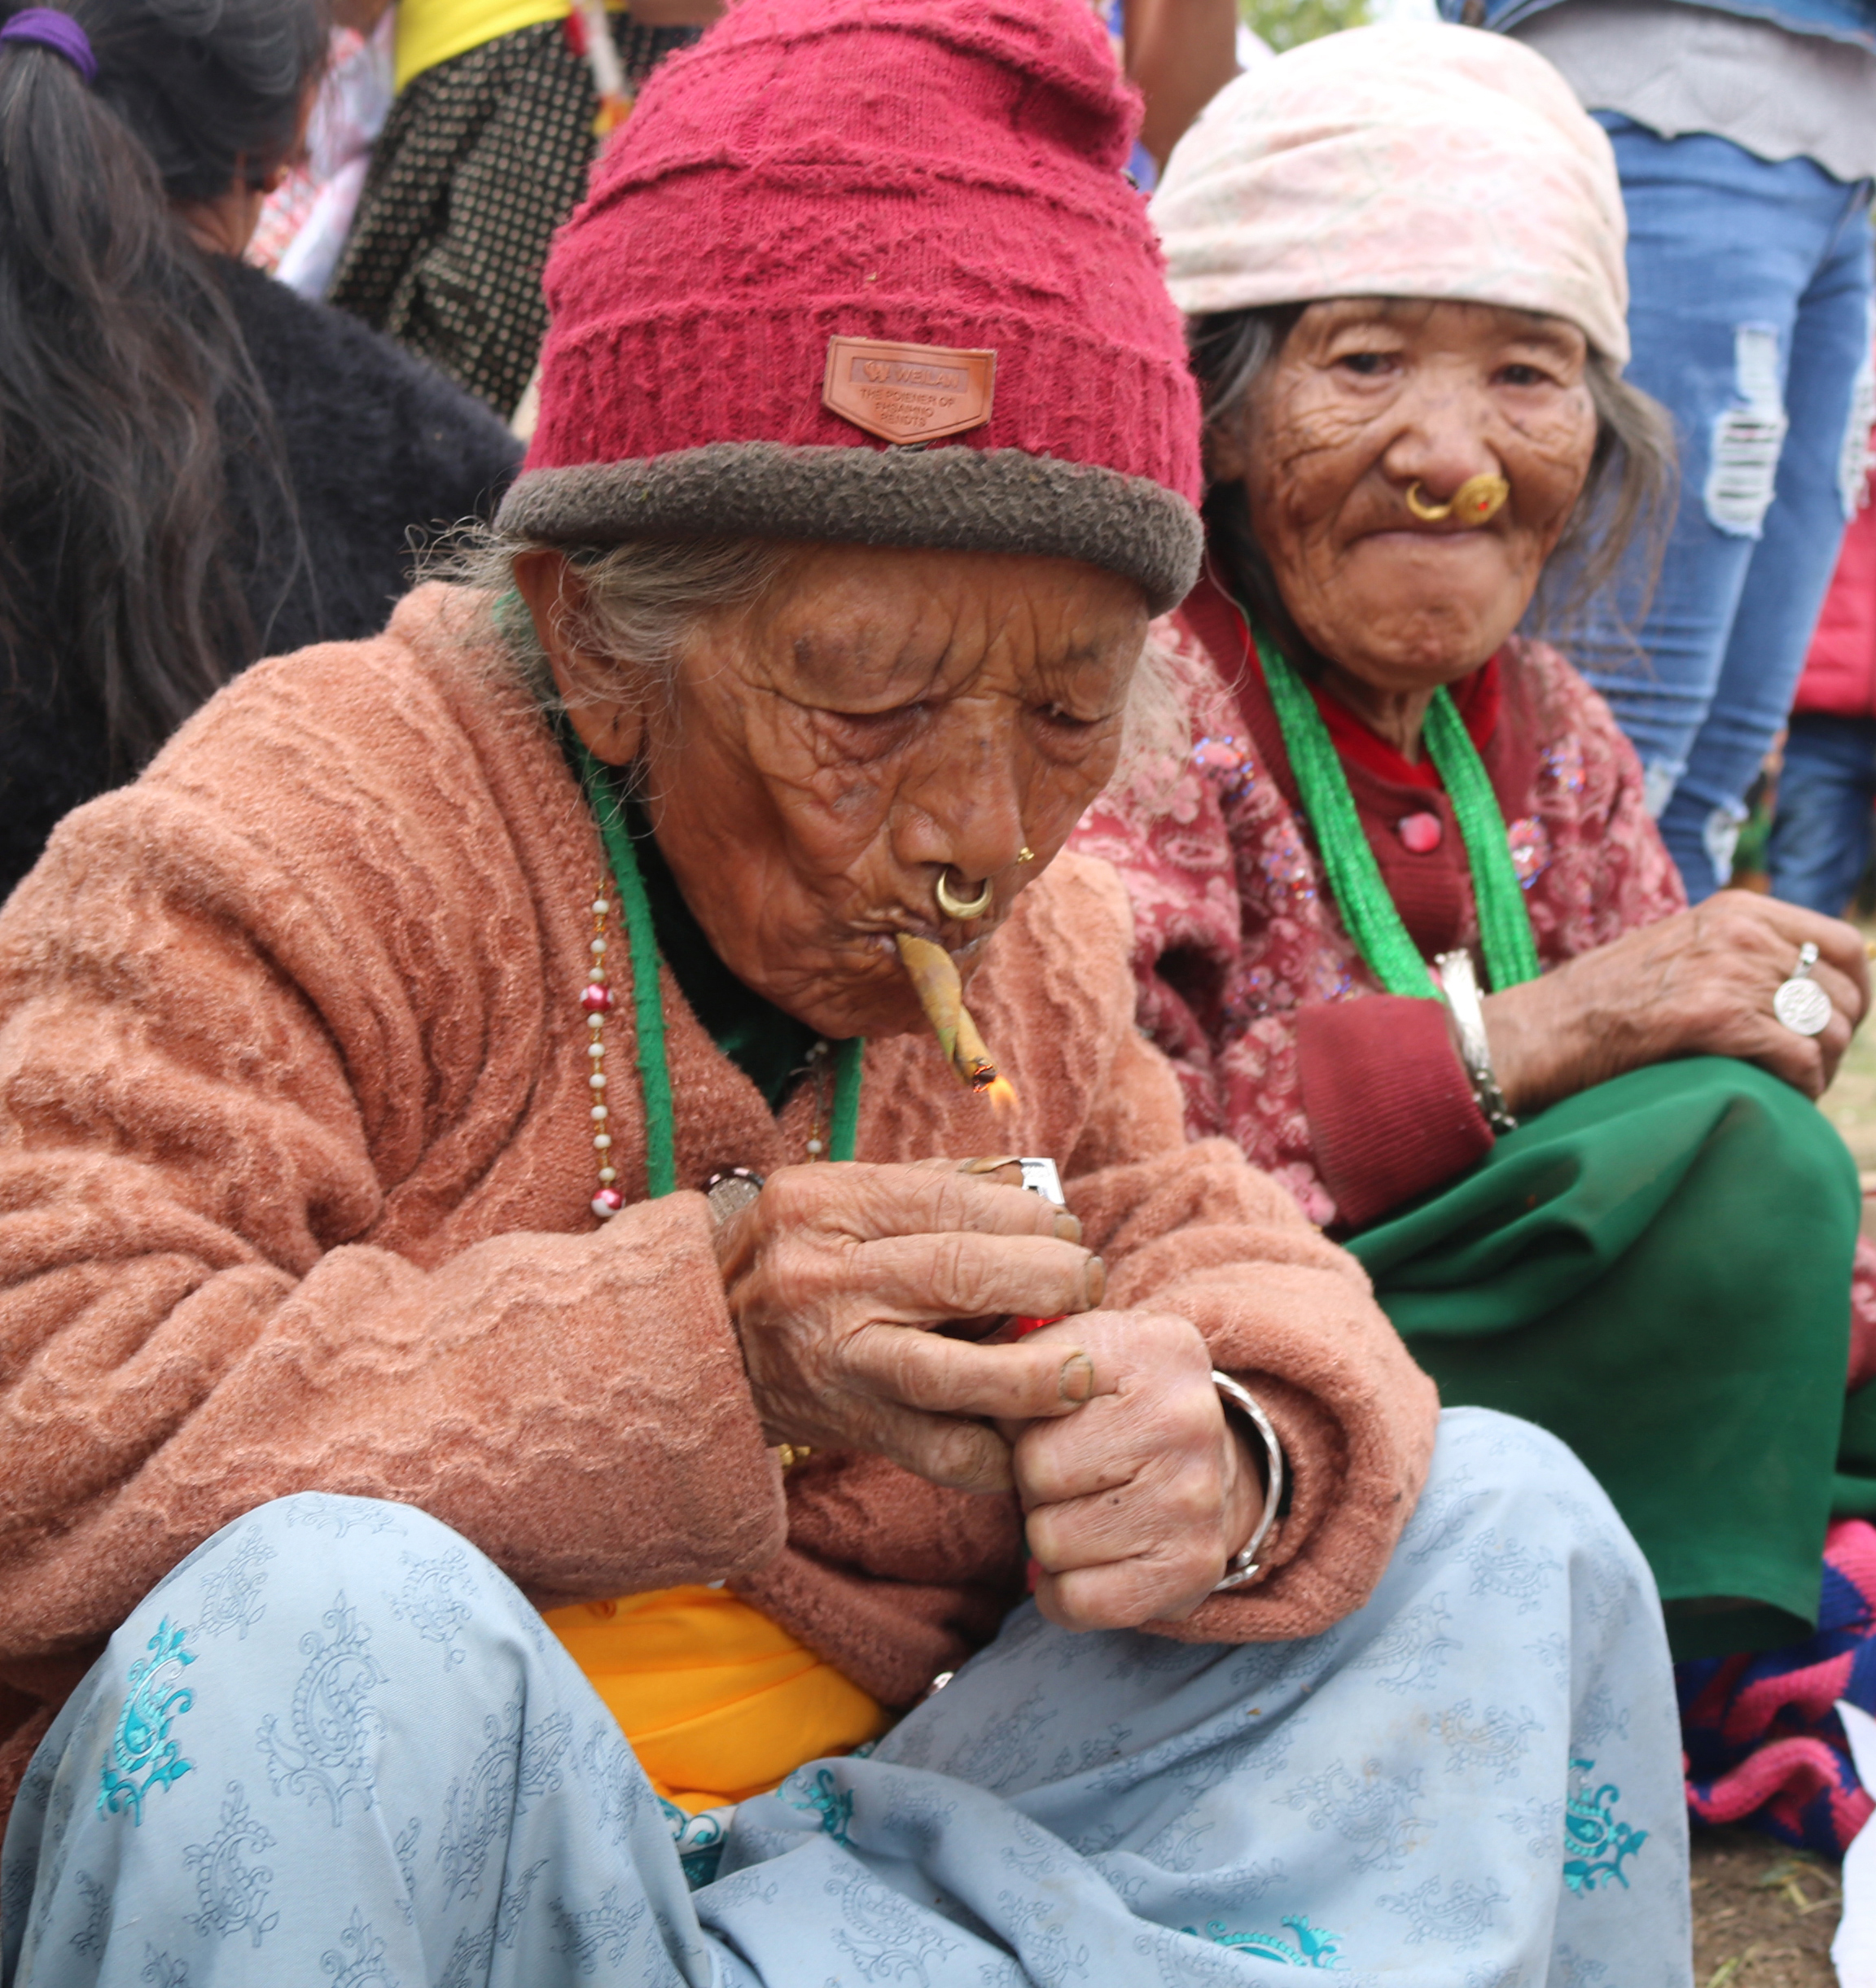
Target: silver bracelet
x=1468 y=1011
x=1244 y=1565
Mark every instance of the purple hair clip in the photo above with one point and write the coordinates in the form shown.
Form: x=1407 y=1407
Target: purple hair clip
x=50 y=28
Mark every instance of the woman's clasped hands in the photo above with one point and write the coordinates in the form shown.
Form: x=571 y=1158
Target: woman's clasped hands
x=1106 y=1425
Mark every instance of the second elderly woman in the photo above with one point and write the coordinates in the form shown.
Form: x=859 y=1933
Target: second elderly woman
x=530 y=1385
x=1589 y=1181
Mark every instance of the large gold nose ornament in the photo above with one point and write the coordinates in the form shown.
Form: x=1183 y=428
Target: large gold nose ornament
x=961 y=907
x=1477 y=500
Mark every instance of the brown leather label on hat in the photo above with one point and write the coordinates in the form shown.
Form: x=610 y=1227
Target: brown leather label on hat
x=907 y=393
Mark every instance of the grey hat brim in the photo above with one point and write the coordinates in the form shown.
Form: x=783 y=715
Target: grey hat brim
x=951 y=499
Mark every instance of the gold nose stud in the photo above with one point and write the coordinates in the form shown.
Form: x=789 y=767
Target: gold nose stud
x=1025 y=854
x=1477 y=500
x=962 y=909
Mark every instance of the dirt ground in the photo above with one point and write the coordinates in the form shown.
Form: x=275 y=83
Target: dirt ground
x=1763 y=1915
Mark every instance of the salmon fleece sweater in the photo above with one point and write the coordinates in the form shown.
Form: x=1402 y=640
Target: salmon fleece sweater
x=295 y=1163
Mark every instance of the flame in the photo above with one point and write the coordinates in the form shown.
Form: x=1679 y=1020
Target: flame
x=1003 y=1101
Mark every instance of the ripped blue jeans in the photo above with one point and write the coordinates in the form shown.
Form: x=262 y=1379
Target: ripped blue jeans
x=1750 y=320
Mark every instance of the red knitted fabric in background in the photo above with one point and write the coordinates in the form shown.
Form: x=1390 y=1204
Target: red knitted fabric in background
x=1765 y=1745
x=934 y=172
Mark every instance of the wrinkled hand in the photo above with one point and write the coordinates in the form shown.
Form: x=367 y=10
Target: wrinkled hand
x=1700 y=983
x=831 y=1268
x=1138 y=1501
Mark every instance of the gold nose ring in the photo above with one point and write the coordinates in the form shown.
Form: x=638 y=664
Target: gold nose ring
x=1477 y=500
x=962 y=909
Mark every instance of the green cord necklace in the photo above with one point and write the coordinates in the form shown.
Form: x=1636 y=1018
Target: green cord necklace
x=648 y=1015
x=1354 y=875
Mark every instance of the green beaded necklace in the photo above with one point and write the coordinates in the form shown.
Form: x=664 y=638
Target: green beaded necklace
x=648 y=1006
x=1355 y=877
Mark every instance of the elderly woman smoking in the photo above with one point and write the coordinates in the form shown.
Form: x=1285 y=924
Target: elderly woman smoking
x=462 y=1163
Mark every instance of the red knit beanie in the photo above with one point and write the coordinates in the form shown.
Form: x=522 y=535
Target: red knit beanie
x=816 y=187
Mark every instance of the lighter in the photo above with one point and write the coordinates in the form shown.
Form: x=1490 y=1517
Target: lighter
x=1041 y=1175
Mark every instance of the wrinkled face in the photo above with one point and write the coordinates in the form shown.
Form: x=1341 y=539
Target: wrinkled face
x=1370 y=395
x=880 y=716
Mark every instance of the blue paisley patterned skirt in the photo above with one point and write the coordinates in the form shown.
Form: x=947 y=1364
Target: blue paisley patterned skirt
x=336 y=1746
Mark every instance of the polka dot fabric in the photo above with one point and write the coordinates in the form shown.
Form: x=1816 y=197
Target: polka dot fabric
x=482 y=159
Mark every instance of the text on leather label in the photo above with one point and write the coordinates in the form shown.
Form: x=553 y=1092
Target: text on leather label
x=907 y=393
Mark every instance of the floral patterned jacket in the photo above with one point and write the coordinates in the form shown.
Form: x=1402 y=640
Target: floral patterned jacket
x=1354 y=1097
x=1245 y=976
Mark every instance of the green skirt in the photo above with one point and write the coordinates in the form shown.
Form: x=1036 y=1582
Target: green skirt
x=1658 y=1270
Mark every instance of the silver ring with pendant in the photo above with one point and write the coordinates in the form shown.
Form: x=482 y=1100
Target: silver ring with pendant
x=1800 y=1003
x=962 y=909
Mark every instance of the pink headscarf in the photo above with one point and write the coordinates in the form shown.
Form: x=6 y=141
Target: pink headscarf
x=1410 y=160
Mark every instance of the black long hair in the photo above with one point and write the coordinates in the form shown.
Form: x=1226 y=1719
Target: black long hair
x=124 y=385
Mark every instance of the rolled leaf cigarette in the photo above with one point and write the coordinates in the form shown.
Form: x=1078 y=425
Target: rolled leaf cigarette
x=971 y=1059
x=935 y=980
x=940 y=991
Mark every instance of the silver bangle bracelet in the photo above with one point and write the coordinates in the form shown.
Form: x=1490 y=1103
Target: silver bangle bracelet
x=1244 y=1565
x=1460 y=984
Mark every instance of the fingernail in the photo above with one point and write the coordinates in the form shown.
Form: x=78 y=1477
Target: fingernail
x=1067 y=1228
x=1077 y=1378
x=1096 y=1282
x=994 y=1165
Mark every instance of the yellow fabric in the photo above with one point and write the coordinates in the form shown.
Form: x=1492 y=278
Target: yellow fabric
x=719 y=1702
x=431 y=31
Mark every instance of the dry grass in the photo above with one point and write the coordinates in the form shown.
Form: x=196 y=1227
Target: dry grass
x=1763 y=1915
x=1850 y=1103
